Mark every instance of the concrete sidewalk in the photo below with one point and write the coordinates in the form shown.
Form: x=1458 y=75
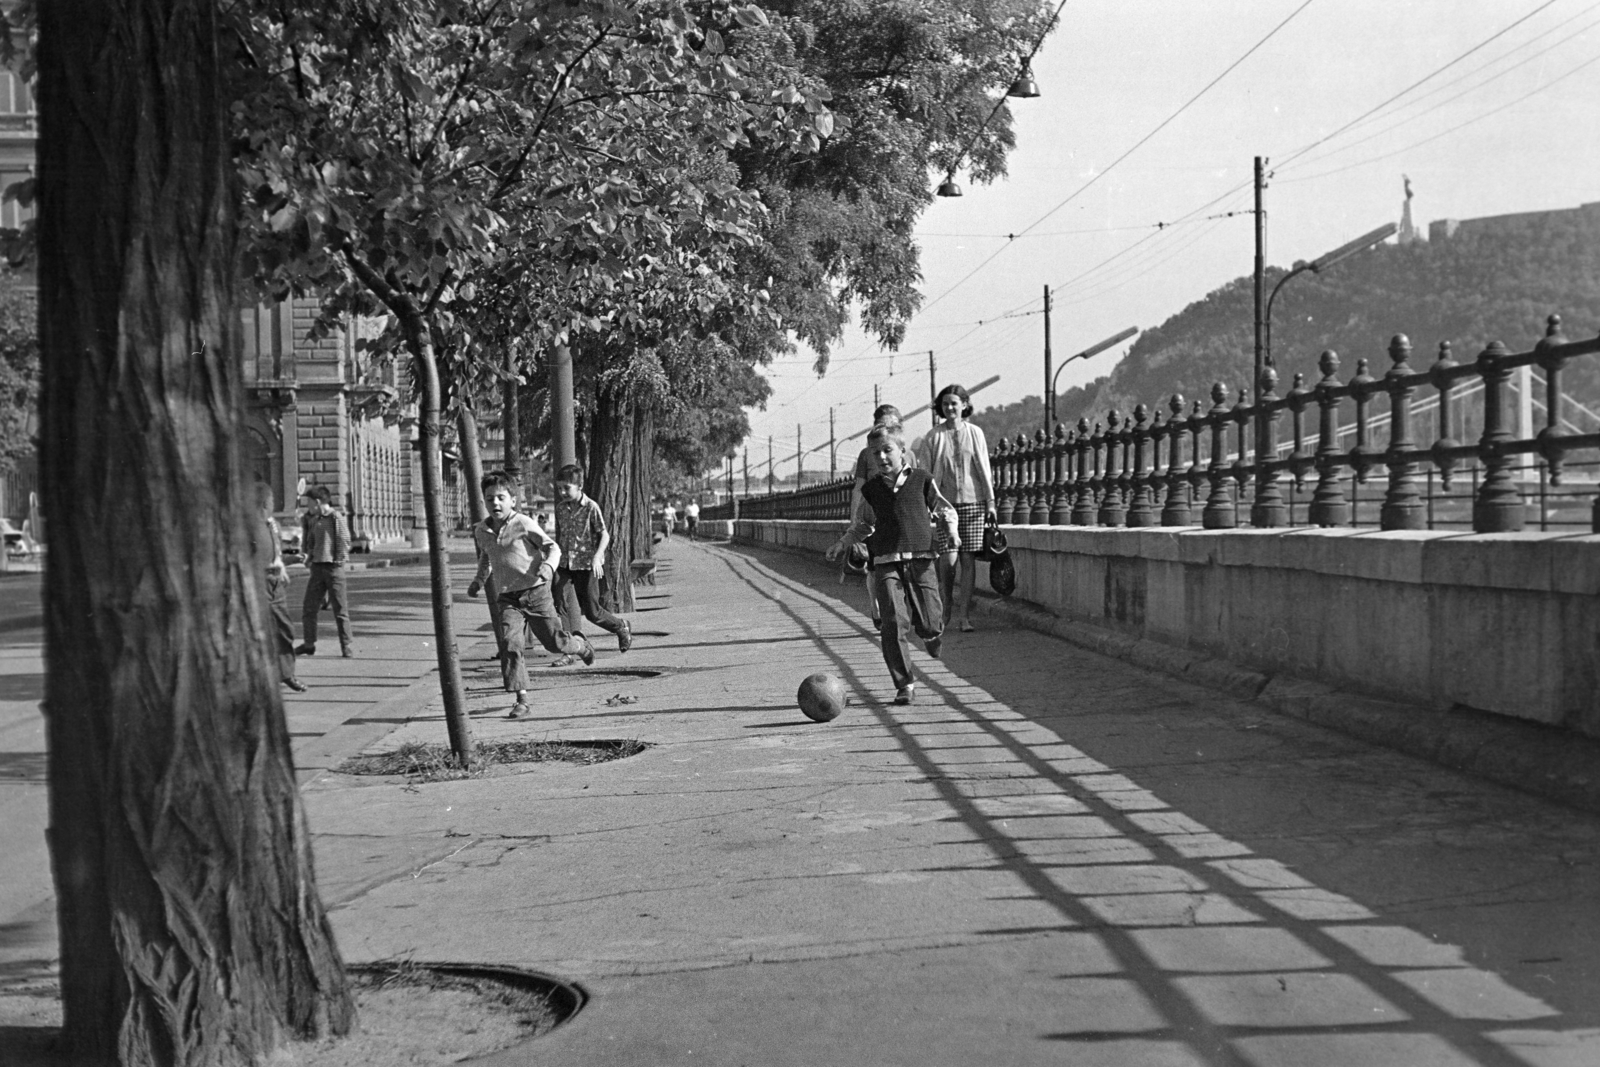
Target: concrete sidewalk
x=1053 y=857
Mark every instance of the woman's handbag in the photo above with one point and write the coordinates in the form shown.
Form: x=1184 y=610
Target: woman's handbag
x=1003 y=574
x=994 y=541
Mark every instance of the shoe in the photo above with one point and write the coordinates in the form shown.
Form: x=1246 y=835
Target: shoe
x=296 y=684
x=564 y=661
x=932 y=645
x=905 y=694
x=624 y=637
x=966 y=626
x=519 y=710
x=306 y=650
x=348 y=652
x=587 y=654
x=877 y=624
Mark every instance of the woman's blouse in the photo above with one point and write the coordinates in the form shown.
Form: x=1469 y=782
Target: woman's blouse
x=958 y=458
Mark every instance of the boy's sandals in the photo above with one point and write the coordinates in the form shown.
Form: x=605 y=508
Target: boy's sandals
x=966 y=626
x=905 y=694
x=932 y=645
x=519 y=710
x=564 y=661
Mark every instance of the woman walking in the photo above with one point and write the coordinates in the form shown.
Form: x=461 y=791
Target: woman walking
x=957 y=456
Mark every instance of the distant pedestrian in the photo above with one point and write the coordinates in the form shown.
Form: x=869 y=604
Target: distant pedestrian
x=269 y=564
x=522 y=559
x=691 y=515
x=583 y=537
x=669 y=518
x=905 y=504
x=957 y=456
x=325 y=540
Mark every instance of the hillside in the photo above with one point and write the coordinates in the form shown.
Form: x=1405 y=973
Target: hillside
x=1494 y=279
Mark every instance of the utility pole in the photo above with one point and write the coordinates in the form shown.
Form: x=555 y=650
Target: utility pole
x=746 y=458
x=933 y=389
x=799 y=458
x=833 y=456
x=563 y=440
x=769 y=464
x=1049 y=380
x=1261 y=270
x=877 y=401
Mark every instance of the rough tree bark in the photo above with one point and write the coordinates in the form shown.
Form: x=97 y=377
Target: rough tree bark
x=471 y=461
x=191 y=929
x=613 y=477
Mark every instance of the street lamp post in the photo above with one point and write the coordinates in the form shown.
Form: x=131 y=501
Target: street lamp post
x=1092 y=350
x=1317 y=266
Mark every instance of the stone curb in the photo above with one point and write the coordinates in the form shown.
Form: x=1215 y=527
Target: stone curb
x=1547 y=762
x=1555 y=764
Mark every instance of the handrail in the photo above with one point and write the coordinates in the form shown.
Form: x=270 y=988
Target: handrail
x=1113 y=474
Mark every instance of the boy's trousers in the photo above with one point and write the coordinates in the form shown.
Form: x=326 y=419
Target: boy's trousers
x=577 y=594
x=327 y=580
x=532 y=609
x=908 y=599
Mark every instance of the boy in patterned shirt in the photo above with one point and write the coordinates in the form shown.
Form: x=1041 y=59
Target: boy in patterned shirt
x=523 y=560
x=581 y=532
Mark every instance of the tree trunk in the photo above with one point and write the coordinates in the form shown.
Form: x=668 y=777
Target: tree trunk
x=420 y=340
x=471 y=461
x=609 y=479
x=509 y=422
x=641 y=483
x=191 y=929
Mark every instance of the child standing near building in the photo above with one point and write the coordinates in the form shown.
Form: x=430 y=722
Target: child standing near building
x=905 y=503
x=325 y=540
x=581 y=532
x=523 y=560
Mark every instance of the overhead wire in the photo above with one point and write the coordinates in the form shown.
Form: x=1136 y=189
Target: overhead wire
x=1136 y=146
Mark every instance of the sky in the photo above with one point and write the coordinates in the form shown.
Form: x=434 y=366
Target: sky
x=1130 y=188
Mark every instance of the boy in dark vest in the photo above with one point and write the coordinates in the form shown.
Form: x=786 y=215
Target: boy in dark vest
x=905 y=503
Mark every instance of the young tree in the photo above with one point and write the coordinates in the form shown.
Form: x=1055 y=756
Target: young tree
x=191 y=930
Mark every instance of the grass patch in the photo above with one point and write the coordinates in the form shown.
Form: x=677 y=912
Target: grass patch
x=436 y=763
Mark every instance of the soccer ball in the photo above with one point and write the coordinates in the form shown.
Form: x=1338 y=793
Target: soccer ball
x=821 y=697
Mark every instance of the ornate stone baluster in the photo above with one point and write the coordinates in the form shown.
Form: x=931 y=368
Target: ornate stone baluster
x=1220 y=513
x=1403 y=508
x=1550 y=362
x=1198 y=480
x=1060 y=495
x=1328 y=505
x=1097 y=480
x=1083 y=503
x=1022 y=503
x=1443 y=461
x=1301 y=461
x=1176 y=510
x=1269 y=510
x=1498 y=508
x=1240 y=416
x=1142 y=509
x=1111 y=510
x=1043 y=478
x=1001 y=464
x=1363 y=457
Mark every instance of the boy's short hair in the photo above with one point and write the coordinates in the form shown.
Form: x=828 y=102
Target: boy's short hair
x=498 y=480
x=320 y=492
x=892 y=420
x=884 y=432
x=882 y=411
x=572 y=474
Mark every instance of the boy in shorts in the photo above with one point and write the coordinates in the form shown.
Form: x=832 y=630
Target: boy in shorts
x=523 y=560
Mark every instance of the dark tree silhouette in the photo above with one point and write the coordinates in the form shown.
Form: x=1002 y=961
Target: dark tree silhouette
x=191 y=930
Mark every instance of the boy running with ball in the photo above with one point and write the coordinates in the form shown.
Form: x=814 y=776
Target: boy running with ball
x=905 y=503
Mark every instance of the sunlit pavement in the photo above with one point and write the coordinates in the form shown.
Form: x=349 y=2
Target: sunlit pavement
x=1051 y=858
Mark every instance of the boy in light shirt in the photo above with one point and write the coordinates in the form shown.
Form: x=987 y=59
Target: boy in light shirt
x=523 y=560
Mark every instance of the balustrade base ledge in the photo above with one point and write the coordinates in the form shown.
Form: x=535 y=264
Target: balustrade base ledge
x=1546 y=761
